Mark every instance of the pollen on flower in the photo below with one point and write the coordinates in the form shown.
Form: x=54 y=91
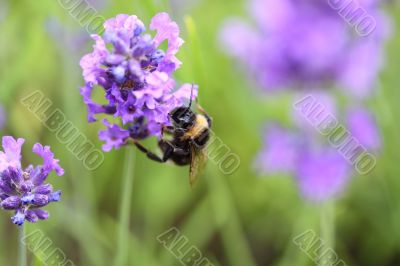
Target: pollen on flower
x=25 y=175
x=129 y=84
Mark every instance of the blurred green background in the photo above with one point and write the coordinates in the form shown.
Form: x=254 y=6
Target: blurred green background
x=241 y=219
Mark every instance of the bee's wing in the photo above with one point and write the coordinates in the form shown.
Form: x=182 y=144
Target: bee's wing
x=198 y=163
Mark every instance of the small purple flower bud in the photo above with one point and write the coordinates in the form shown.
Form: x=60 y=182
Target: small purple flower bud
x=135 y=69
x=109 y=109
x=44 y=189
x=115 y=59
x=41 y=214
x=110 y=37
x=31 y=217
x=11 y=203
x=27 y=199
x=40 y=200
x=119 y=45
x=38 y=176
x=5 y=186
x=158 y=56
x=11 y=177
x=15 y=174
x=138 y=130
x=139 y=29
x=119 y=73
x=18 y=218
x=26 y=186
x=55 y=196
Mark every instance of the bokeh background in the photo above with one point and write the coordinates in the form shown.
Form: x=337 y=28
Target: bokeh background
x=244 y=219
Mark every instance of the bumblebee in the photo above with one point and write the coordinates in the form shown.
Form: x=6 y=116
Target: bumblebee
x=190 y=133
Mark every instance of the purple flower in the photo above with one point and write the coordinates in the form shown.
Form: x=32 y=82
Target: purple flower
x=322 y=174
x=136 y=77
x=312 y=108
x=25 y=190
x=167 y=30
x=279 y=153
x=306 y=44
x=50 y=164
x=114 y=136
x=12 y=153
x=311 y=111
x=363 y=127
x=68 y=41
x=320 y=171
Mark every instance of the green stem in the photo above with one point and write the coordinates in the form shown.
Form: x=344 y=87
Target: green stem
x=127 y=186
x=228 y=222
x=327 y=227
x=22 y=261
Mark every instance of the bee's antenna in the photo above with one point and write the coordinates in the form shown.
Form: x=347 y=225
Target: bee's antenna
x=191 y=97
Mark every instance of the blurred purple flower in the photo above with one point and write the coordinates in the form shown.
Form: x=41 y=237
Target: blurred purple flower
x=279 y=152
x=306 y=44
x=308 y=113
x=67 y=40
x=321 y=172
x=25 y=190
x=136 y=76
x=302 y=155
x=363 y=127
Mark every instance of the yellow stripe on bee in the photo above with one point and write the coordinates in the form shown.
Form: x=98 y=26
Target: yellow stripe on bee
x=200 y=125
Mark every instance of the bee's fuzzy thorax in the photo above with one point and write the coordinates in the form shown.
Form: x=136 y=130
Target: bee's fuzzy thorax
x=200 y=125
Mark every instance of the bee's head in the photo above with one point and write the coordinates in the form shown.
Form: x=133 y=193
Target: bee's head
x=183 y=117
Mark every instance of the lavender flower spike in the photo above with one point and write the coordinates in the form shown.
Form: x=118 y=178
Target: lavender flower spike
x=24 y=190
x=136 y=77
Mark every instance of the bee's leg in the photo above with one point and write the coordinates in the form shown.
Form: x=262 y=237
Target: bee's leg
x=179 y=132
x=166 y=145
x=167 y=129
x=181 y=152
x=201 y=109
x=153 y=156
x=173 y=131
